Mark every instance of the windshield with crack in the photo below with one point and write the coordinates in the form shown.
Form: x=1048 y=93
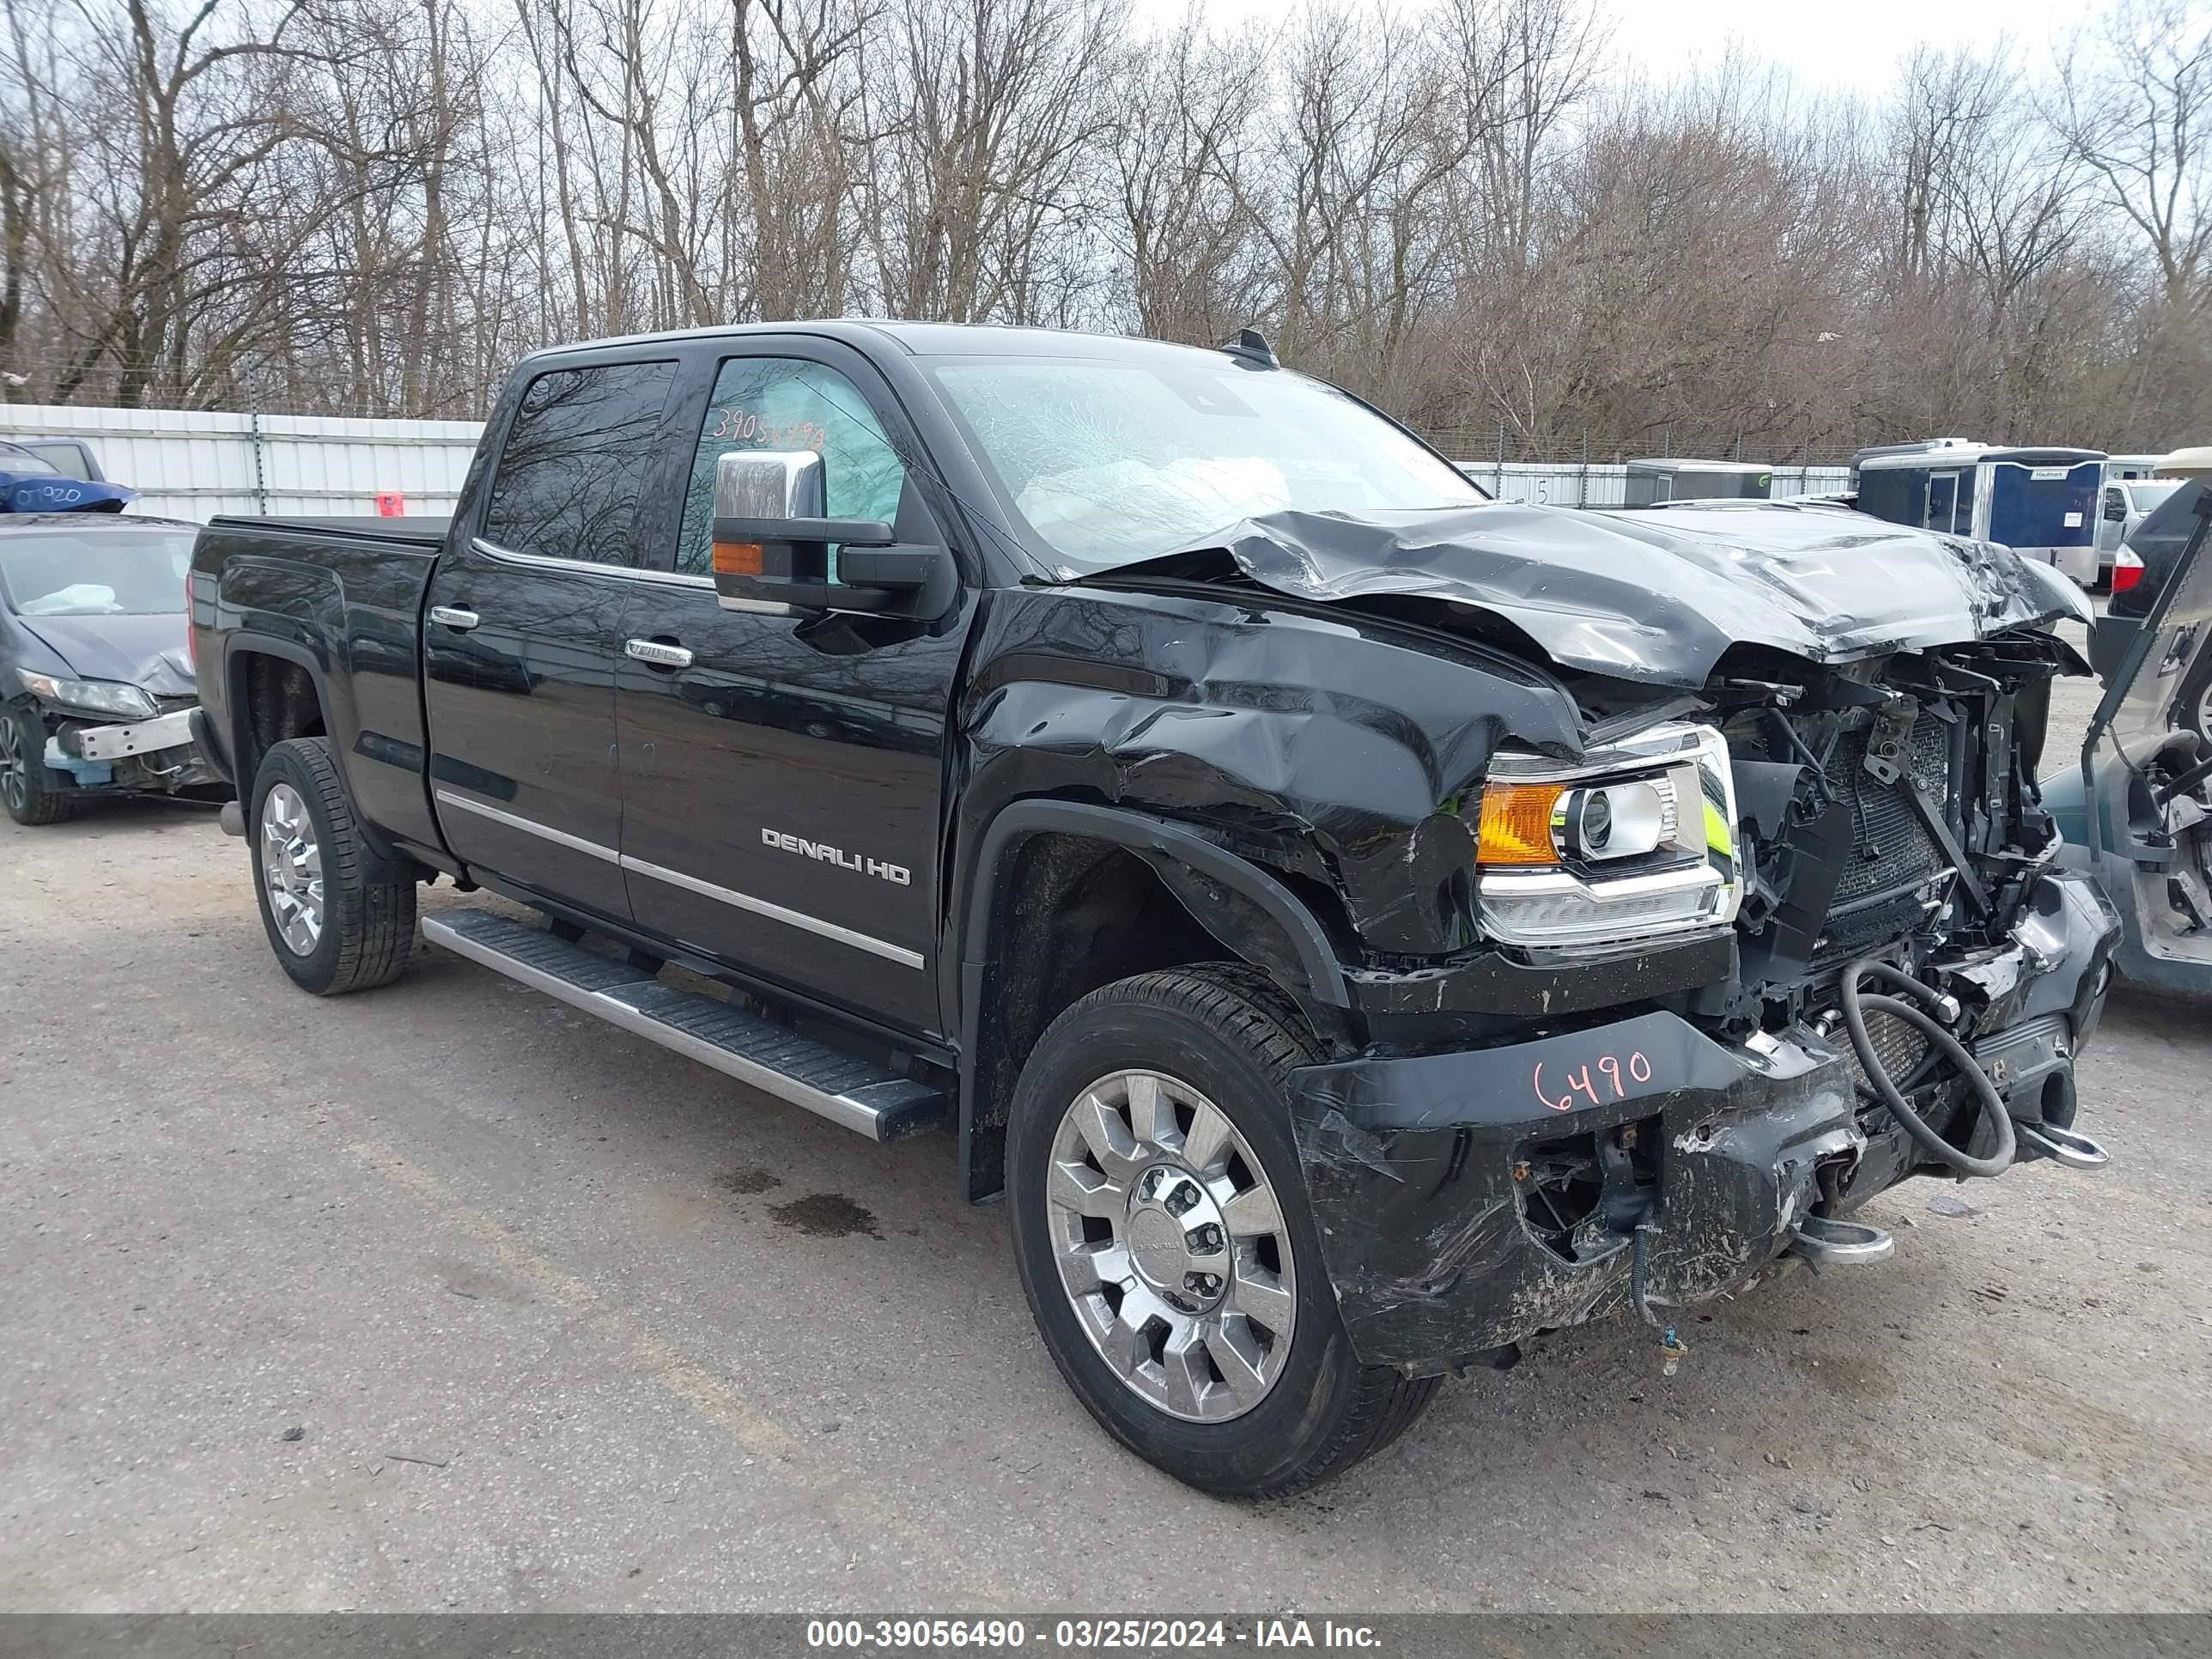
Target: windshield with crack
x=1112 y=463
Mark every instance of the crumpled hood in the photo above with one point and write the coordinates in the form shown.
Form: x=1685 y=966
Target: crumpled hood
x=1658 y=596
x=146 y=651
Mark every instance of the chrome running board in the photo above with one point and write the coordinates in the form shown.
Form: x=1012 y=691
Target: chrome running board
x=854 y=1092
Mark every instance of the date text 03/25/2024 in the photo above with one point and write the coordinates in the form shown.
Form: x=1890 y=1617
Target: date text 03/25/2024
x=1142 y=1635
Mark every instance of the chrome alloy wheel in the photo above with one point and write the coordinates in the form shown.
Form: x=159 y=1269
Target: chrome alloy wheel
x=292 y=869
x=15 y=768
x=1171 y=1246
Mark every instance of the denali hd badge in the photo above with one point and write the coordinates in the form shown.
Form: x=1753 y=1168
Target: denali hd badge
x=898 y=874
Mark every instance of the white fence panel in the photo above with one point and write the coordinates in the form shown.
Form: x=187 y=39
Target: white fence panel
x=195 y=464
x=188 y=464
x=1572 y=484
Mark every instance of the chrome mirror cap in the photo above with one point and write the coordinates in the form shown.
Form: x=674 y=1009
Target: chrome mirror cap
x=768 y=483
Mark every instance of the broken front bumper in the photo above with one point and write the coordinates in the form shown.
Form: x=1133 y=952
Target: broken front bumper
x=1434 y=1179
x=158 y=756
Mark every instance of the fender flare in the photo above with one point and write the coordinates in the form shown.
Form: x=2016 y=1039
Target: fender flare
x=1196 y=870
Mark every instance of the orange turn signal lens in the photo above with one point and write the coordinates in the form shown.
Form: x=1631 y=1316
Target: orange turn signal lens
x=737 y=558
x=1517 y=823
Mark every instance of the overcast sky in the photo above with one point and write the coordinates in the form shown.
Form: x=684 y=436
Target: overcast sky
x=1851 y=48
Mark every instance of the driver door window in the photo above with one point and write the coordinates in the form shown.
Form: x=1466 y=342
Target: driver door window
x=784 y=402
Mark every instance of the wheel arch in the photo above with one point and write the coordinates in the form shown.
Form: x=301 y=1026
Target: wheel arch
x=277 y=690
x=257 y=668
x=1056 y=855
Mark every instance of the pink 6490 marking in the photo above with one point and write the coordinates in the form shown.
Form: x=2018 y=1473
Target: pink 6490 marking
x=1609 y=1068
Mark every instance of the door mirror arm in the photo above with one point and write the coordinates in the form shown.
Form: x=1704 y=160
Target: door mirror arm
x=786 y=562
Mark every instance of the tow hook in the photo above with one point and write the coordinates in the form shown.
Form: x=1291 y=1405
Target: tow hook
x=2063 y=1146
x=1825 y=1242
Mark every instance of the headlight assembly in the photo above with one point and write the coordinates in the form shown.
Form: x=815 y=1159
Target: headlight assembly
x=106 y=699
x=1636 y=841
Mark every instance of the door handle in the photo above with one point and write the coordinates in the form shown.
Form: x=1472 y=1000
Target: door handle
x=460 y=618
x=660 y=655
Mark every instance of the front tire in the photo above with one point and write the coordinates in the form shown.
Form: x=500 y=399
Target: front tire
x=26 y=785
x=333 y=928
x=1164 y=1242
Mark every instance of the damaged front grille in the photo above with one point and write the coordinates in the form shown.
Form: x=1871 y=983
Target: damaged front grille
x=1890 y=812
x=1886 y=861
x=1891 y=848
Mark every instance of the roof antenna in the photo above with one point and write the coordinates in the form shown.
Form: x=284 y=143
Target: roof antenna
x=1252 y=345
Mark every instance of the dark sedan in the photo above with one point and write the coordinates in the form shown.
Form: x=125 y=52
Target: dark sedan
x=96 y=681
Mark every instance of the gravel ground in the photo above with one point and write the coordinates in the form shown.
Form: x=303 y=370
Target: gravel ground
x=447 y=1295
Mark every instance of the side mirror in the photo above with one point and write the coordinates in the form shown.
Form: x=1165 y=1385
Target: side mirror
x=772 y=542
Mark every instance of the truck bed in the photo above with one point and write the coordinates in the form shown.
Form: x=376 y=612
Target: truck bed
x=354 y=587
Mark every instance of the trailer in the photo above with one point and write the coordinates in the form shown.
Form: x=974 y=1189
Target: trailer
x=1651 y=482
x=2040 y=500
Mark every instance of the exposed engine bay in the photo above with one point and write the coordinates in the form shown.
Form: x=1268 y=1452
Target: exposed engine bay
x=1893 y=847
x=1890 y=805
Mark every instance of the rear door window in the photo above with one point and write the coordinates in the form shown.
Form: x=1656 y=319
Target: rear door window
x=1944 y=502
x=577 y=462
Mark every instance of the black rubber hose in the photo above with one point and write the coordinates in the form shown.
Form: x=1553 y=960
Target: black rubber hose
x=1856 y=1009
x=1919 y=990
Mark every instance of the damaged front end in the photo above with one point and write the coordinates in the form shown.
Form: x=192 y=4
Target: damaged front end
x=157 y=756
x=1790 y=927
x=146 y=746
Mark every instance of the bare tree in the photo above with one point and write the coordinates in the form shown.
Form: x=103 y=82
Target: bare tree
x=1461 y=209
x=2139 y=114
x=981 y=115
x=1182 y=154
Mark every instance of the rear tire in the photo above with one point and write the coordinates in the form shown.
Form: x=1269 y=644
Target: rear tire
x=1160 y=1053
x=333 y=928
x=26 y=783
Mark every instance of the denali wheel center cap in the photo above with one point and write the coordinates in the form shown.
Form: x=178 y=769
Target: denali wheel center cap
x=1178 y=1242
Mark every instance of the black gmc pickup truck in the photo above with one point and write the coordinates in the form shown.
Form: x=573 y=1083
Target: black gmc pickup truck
x=1356 y=925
